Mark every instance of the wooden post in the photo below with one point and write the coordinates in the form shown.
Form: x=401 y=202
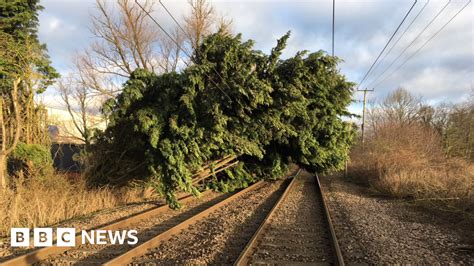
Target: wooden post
x=363 y=114
x=333 y=21
x=345 y=170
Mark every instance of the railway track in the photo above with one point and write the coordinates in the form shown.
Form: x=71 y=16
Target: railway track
x=267 y=237
x=297 y=230
x=218 y=239
x=155 y=226
x=147 y=223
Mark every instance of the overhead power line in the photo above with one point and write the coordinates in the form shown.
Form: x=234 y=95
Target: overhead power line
x=172 y=17
x=385 y=47
x=163 y=29
x=431 y=38
x=184 y=51
x=333 y=21
x=195 y=48
x=399 y=38
x=412 y=42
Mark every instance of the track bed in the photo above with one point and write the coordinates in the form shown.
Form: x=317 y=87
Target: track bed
x=297 y=231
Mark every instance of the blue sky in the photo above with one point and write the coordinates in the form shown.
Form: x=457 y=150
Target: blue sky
x=442 y=71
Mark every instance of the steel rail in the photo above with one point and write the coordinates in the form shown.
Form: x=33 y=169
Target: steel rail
x=244 y=257
x=252 y=244
x=335 y=244
x=43 y=253
x=143 y=248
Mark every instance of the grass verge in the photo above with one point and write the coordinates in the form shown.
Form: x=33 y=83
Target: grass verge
x=42 y=201
x=407 y=161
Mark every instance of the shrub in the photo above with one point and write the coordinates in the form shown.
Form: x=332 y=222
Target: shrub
x=407 y=161
x=31 y=159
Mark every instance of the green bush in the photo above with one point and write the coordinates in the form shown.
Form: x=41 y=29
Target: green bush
x=267 y=111
x=31 y=159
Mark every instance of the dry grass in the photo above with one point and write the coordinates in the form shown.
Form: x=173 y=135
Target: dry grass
x=48 y=200
x=407 y=161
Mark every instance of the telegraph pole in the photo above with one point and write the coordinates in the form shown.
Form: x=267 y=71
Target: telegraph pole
x=363 y=113
x=333 y=19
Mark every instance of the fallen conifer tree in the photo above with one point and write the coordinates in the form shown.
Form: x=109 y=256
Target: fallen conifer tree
x=233 y=101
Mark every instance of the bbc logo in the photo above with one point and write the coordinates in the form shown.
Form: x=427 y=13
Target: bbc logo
x=66 y=237
x=43 y=237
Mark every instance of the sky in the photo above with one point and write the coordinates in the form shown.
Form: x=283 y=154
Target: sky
x=442 y=71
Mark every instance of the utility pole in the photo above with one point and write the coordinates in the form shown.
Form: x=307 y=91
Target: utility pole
x=363 y=113
x=333 y=19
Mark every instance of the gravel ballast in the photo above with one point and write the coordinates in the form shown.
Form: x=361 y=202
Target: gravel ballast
x=82 y=223
x=219 y=238
x=297 y=232
x=98 y=219
x=98 y=254
x=378 y=230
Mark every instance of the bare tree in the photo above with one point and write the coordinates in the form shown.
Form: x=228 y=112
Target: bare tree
x=401 y=106
x=200 y=21
x=126 y=39
x=441 y=117
x=92 y=76
x=81 y=103
x=169 y=51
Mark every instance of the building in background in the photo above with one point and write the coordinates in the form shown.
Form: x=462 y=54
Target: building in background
x=66 y=137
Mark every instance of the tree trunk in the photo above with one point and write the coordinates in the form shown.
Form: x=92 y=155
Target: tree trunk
x=3 y=170
x=5 y=150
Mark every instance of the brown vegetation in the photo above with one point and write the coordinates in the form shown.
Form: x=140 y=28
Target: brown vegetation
x=47 y=200
x=405 y=157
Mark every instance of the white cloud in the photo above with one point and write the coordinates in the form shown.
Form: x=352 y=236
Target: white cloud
x=53 y=24
x=442 y=70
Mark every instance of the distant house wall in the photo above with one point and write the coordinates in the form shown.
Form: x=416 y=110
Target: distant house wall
x=63 y=129
x=66 y=138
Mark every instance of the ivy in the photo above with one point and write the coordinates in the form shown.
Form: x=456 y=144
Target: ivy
x=237 y=101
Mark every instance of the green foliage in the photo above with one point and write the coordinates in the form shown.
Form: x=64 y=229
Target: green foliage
x=235 y=178
x=19 y=21
x=31 y=158
x=20 y=17
x=269 y=112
